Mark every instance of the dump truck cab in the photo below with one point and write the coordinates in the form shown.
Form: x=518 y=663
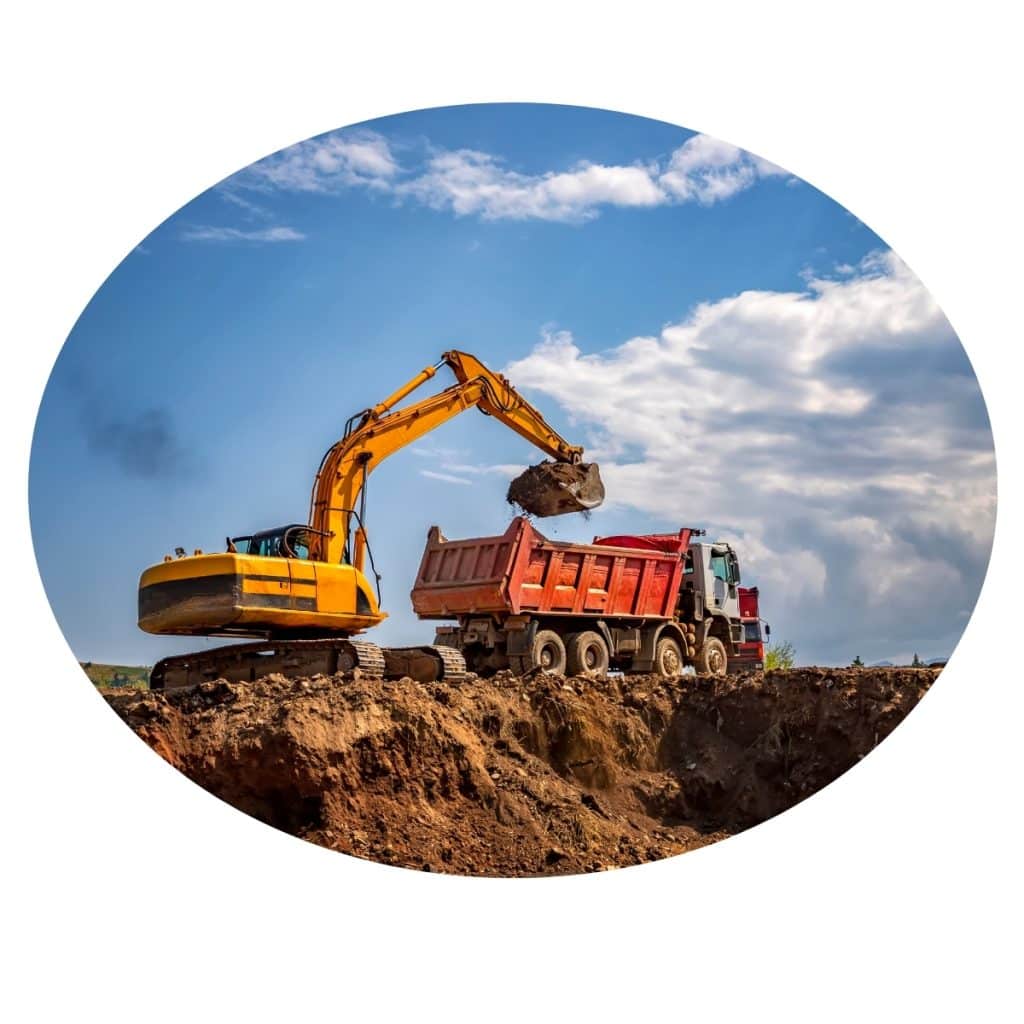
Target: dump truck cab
x=749 y=653
x=713 y=572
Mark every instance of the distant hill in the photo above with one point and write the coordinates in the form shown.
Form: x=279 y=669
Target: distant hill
x=115 y=676
x=882 y=664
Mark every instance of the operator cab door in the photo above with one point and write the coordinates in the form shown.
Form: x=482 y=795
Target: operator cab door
x=301 y=571
x=725 y=575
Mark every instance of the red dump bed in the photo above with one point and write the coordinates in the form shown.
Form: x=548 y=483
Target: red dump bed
x=522 y=572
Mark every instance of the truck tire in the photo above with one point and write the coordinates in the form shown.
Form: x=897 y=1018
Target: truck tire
x=711 y=658
x=586 y=654
x=546 y=654
x=668 y=658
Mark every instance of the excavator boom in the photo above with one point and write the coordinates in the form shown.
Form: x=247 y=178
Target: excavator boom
x=379 y=432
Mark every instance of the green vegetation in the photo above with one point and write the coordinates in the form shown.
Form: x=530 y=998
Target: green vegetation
x=133 y=676
x=779 y=656
x=857 y=662
x=916 y=663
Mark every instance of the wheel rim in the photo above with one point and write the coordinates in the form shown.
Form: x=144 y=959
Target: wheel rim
x=670 y=661
x=547 y=656
x=590 y=658
x=717 y=660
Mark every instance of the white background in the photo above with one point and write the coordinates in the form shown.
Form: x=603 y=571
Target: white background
x=130 y=894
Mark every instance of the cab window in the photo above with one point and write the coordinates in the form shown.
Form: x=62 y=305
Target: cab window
x=268 y=546
x=290 y=542
x=720 y=568
x=297 y=543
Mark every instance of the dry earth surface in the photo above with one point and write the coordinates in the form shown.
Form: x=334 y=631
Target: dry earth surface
x=522 y=776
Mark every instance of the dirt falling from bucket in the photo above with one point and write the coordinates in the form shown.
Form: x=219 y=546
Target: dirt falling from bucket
x=556 y=488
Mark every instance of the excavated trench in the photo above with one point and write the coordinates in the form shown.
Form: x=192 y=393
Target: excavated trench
x=519 y=776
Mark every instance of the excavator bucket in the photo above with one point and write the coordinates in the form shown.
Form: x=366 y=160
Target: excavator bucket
x=555 y=488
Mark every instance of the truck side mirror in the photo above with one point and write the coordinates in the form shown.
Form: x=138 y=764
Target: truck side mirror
x=767 y=630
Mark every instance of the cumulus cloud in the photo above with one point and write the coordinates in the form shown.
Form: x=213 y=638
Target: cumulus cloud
x=471 y=183
x=708 y=170
x=836 y=434
x=325 y=164
x=468 y=182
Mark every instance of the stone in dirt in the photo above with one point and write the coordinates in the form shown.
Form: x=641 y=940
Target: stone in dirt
x=510 y=776
x=555 y=488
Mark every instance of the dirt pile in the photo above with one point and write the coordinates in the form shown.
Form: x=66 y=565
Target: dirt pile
x=554 y=488
x=513 y=776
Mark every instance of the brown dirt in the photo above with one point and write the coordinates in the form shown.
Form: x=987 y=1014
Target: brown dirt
x=513 y=776
x=554 y=488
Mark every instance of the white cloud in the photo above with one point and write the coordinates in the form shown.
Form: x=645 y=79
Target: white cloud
x=452 y=471
x=210 y=233
x=325 y=164
x=467 y=182
x=708 y=170
x=498 y=469
x=448 y=478
x=836 y=433
x=433 y=451
x=254 y=211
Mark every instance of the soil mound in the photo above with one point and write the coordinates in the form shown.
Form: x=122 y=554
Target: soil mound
x=513 y=776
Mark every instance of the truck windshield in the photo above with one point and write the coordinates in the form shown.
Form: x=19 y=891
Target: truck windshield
x=725 y=567
x=720 y=567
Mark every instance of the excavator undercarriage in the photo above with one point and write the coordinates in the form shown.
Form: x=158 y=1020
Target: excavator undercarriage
x=255 y=659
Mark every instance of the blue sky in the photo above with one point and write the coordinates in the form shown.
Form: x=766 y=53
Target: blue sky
x=739 y=351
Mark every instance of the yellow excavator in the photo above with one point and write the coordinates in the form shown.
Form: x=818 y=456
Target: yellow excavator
x=302 y=589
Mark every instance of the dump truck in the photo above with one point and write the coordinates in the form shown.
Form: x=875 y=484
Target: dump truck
x=634 y=603
x=300 y=595
x=749 y=654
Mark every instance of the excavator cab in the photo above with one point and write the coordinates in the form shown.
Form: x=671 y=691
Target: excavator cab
x=284 y=542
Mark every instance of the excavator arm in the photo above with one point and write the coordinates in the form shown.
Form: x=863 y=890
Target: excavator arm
x=338 y=498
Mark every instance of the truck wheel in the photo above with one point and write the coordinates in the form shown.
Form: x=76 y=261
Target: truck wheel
x=547 y=654
x=586 y=654
x=711 y=658
x=668 y=658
